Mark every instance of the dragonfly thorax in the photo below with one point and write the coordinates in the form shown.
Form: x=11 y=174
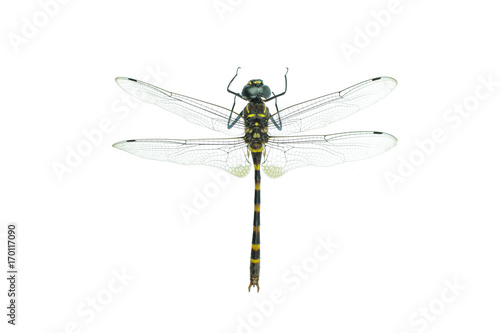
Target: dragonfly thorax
x=255 y=90
x=256 y=116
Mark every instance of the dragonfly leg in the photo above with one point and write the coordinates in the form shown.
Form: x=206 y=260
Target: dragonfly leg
x=278 y=126
x=230 y=91
x=281 y=94
x=229 y=124
x=234 y=103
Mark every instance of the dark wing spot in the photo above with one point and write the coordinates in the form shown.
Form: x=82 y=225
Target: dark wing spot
x=130 y=140
x=378 y=132
x=377 y=78
x=132 y=79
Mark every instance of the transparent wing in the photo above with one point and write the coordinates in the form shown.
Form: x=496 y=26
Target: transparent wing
x=227 y=154
x=285 y=153
x=193 y=110
x=321 y=111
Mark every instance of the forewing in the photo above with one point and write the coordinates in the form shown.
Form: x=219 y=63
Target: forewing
x=193 y=110
x=227 y=154
x=287 y=153
x=324 y=110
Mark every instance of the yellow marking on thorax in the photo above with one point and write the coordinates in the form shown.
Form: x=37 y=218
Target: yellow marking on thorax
x=256 y=166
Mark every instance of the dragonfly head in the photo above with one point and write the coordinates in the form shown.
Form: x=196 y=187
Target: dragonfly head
x=256 y=89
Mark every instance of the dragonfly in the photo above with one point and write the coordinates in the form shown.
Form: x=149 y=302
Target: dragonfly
x=253 y=141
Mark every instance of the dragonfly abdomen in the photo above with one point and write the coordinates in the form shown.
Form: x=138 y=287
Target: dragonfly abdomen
x=255 y=254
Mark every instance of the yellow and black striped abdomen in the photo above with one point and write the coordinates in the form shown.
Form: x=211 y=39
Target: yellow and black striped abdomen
x=255 y=254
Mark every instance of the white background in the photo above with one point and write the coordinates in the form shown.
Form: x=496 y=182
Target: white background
x=114 y=212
